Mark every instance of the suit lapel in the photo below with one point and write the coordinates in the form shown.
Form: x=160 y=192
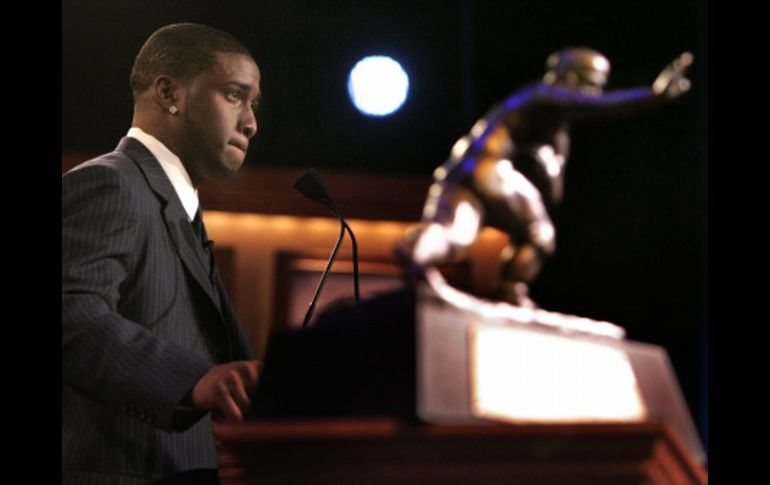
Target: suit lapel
x=189 y=248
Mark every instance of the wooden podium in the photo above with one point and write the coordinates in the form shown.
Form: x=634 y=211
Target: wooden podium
x=419 y=365
x=383 y=451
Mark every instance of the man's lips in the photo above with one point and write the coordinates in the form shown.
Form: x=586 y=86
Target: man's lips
x=241 y=146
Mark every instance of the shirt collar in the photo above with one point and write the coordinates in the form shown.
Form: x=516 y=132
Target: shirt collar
x=174 y=169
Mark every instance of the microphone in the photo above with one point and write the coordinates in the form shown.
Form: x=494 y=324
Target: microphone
x=312 y=186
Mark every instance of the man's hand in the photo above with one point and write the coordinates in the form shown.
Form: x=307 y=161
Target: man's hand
x=225 y=389
x=672 y=83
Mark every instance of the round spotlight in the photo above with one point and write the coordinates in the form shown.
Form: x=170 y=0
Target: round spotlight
x=378 y=85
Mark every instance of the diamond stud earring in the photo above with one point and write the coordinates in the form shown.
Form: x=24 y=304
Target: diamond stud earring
x=173 y=110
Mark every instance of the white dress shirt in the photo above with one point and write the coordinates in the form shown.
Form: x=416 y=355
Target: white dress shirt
x=175 y=171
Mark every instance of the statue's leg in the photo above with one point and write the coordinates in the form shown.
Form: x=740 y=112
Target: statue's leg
x=519 y=267
x=521 y=213
x=452 y=223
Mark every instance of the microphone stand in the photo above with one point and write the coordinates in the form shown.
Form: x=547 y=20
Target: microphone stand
x=336 y=212
x=313 y=187
x=321 y=282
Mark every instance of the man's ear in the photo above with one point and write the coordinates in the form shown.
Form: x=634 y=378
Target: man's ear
x=166 y=93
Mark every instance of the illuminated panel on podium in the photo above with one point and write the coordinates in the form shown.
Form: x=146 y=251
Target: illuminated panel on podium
x=523 y=376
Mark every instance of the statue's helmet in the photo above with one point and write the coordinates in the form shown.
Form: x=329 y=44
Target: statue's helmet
x=579 y=68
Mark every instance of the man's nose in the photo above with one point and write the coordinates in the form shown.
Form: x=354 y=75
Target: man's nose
x=249 y=123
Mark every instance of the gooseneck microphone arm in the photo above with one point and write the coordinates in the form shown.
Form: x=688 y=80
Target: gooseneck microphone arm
x=345 y=225
x=311 y=185
x=311 y=307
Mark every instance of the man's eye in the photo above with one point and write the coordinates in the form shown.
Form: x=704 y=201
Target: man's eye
x=234 y=96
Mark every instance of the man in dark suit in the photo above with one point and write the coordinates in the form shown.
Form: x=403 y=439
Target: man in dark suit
x=150 y=343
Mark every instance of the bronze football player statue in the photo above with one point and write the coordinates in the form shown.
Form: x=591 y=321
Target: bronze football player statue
x=508 y=172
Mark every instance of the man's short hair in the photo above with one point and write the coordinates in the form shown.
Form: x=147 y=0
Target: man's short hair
x=180 y=51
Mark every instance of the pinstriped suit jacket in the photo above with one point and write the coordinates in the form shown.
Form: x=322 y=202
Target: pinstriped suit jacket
x=141 y=322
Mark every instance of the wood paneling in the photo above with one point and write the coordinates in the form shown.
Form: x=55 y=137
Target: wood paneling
x=385 y=451
x=261 y=190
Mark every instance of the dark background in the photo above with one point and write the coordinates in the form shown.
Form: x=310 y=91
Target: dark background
x=632 y=227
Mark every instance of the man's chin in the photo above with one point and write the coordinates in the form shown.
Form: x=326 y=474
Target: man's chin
x=222 y=172
x=230 y=167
